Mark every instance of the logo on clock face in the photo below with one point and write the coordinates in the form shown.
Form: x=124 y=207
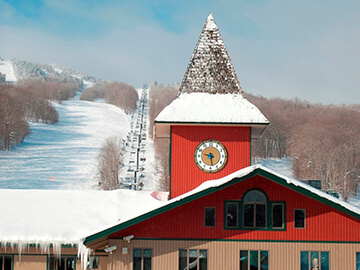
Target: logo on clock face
x=210 y=156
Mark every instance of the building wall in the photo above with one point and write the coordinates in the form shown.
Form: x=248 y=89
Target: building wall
x=225 y=254
x=36 y=259
x=185 y=175
x=323 y=222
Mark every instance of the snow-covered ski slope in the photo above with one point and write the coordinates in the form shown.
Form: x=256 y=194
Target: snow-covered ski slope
x=63 y=156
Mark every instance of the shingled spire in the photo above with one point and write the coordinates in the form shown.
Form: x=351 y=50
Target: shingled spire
x=210 y=69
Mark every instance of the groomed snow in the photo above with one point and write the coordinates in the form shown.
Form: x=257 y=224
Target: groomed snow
x=211 y=108
x=63 y=155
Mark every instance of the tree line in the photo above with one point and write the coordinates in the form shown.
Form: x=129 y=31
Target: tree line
x=119 y=94
x=323 y=141
x=29 y=101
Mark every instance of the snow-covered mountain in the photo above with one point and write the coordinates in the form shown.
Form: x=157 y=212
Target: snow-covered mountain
x=22 y=70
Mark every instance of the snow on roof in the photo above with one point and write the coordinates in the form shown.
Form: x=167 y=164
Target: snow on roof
x=66 y=216
x=211 y=108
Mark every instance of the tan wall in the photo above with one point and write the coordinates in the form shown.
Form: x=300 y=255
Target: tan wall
x=225 y=254
x=33 y=258
x=30 y=262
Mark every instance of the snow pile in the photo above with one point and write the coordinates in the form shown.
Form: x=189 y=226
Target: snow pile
x=6 y=68
x=211 y=108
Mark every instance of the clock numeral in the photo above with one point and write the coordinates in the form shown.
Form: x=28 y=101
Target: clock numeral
x=211 y=144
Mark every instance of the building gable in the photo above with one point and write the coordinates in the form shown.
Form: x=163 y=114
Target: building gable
x=183 y=217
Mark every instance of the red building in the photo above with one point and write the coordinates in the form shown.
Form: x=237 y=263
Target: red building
x=223 y=212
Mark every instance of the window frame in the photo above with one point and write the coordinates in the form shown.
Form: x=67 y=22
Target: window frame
x=357 y=260
x=309 y=263
x=268 y=211
x=3 y=260
x=142 y=261
x=65 y=256
x=209 y=226
x=259 y=264
x=237 y=215
x=187 y=250
x=299 y=209
x=96 y=259
x=283 y=215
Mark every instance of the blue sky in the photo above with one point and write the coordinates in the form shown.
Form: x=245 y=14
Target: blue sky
x=305 y=49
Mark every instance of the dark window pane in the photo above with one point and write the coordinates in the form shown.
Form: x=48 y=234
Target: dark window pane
x=277 y=216
x=315 y=260
x=137 y=254
x=52 y=263
x=254 y=260
x=231 y=214
x=93 y=262
x=70 y=263
x=254 y=196
x=7 y=263
x=182 y=259
x=264 y=260
x=61 y=263
x=147 y=263
x=1 y=262
x=304 y=260
x=210 y=216
x=260 y=215
x=193 y=259
x=244 y=258
x=249 y=215
x=203 y=260
x=299 y=218
x=358 y=261
x=325 y=261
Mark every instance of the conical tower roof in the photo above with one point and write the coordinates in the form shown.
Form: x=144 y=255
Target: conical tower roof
x=210 y=93
x=210 y=69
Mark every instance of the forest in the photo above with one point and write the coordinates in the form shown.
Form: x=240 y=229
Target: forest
x=30 y=100
x=116 y=93
x=323 y=141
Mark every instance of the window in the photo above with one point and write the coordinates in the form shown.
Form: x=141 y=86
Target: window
x=357 y=260
x=231 y=214
x=299 y=217
x=255 y=209
x=192 y=259
x=254 y=259
x=314 y=260
x=210 y=216
x=62 y=263
x=93 y=262
x=6 y=262
x=142 y=259
x=277 y=213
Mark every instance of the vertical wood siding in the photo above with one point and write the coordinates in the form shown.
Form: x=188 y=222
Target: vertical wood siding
x=30 y=262
x=323 y=223
x=225 y=255
x=185 y=175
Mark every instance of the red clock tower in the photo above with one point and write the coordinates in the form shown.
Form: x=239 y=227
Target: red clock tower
x=210 y=123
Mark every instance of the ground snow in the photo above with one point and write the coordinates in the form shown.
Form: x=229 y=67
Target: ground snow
x=6 y=68
x=65 y=152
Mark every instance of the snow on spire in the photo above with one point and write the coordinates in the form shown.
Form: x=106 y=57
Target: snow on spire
x=210 y=69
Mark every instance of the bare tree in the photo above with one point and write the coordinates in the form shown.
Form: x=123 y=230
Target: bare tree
x=160 y=97
x=109 y=162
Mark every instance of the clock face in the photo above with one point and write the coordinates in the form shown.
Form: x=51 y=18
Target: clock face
x=210 y=156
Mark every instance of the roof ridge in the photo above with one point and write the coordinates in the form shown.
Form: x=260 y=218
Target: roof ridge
x=210 y=69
